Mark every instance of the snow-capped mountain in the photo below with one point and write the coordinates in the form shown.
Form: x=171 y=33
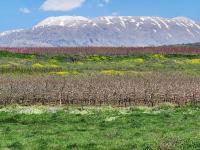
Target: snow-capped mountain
x=105 y=31
x=9 y=32
x=62 y=21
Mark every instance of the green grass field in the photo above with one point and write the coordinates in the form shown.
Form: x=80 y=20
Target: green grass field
x=160 y=128
x=78 y=64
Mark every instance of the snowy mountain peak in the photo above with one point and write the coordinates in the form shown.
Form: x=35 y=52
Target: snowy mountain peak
x=62 y=21
x=105 y=31
x=72 y=21
x=10 y=32
x=183 y=19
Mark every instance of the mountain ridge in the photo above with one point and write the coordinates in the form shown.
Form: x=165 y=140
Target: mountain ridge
x=114 y=31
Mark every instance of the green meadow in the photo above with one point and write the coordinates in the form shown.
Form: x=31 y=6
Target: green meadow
x=165 y=127
x=96 y=64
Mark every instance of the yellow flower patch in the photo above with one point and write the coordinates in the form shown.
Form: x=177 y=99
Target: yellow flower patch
x=135 y=60
x=193 y=61
x=37 y=66
x=53 y=66
x=62 y=73
x=112 y=72
x=158 y=56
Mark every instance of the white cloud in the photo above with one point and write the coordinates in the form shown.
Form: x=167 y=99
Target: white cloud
x=25 y=10
x=61 y=5
x=107 y=1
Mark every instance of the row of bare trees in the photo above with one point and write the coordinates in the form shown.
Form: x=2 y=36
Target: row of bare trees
x=100 y=90
x=104 y=50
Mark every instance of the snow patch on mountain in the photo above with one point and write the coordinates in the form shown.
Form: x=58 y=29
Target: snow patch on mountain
x=62 y=21
x=10 y=32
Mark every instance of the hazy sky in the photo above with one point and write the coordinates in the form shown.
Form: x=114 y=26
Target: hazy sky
x=16 y=14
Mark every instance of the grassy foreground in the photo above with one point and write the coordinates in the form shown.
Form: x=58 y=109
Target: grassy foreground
x=164 y=128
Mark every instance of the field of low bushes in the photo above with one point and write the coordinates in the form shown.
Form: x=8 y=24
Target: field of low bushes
x=101 y=90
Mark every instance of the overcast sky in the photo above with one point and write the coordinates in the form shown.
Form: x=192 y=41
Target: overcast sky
x=16 y=14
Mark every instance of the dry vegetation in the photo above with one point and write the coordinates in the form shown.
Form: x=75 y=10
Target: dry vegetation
x=97 y=90
x=105 y=50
